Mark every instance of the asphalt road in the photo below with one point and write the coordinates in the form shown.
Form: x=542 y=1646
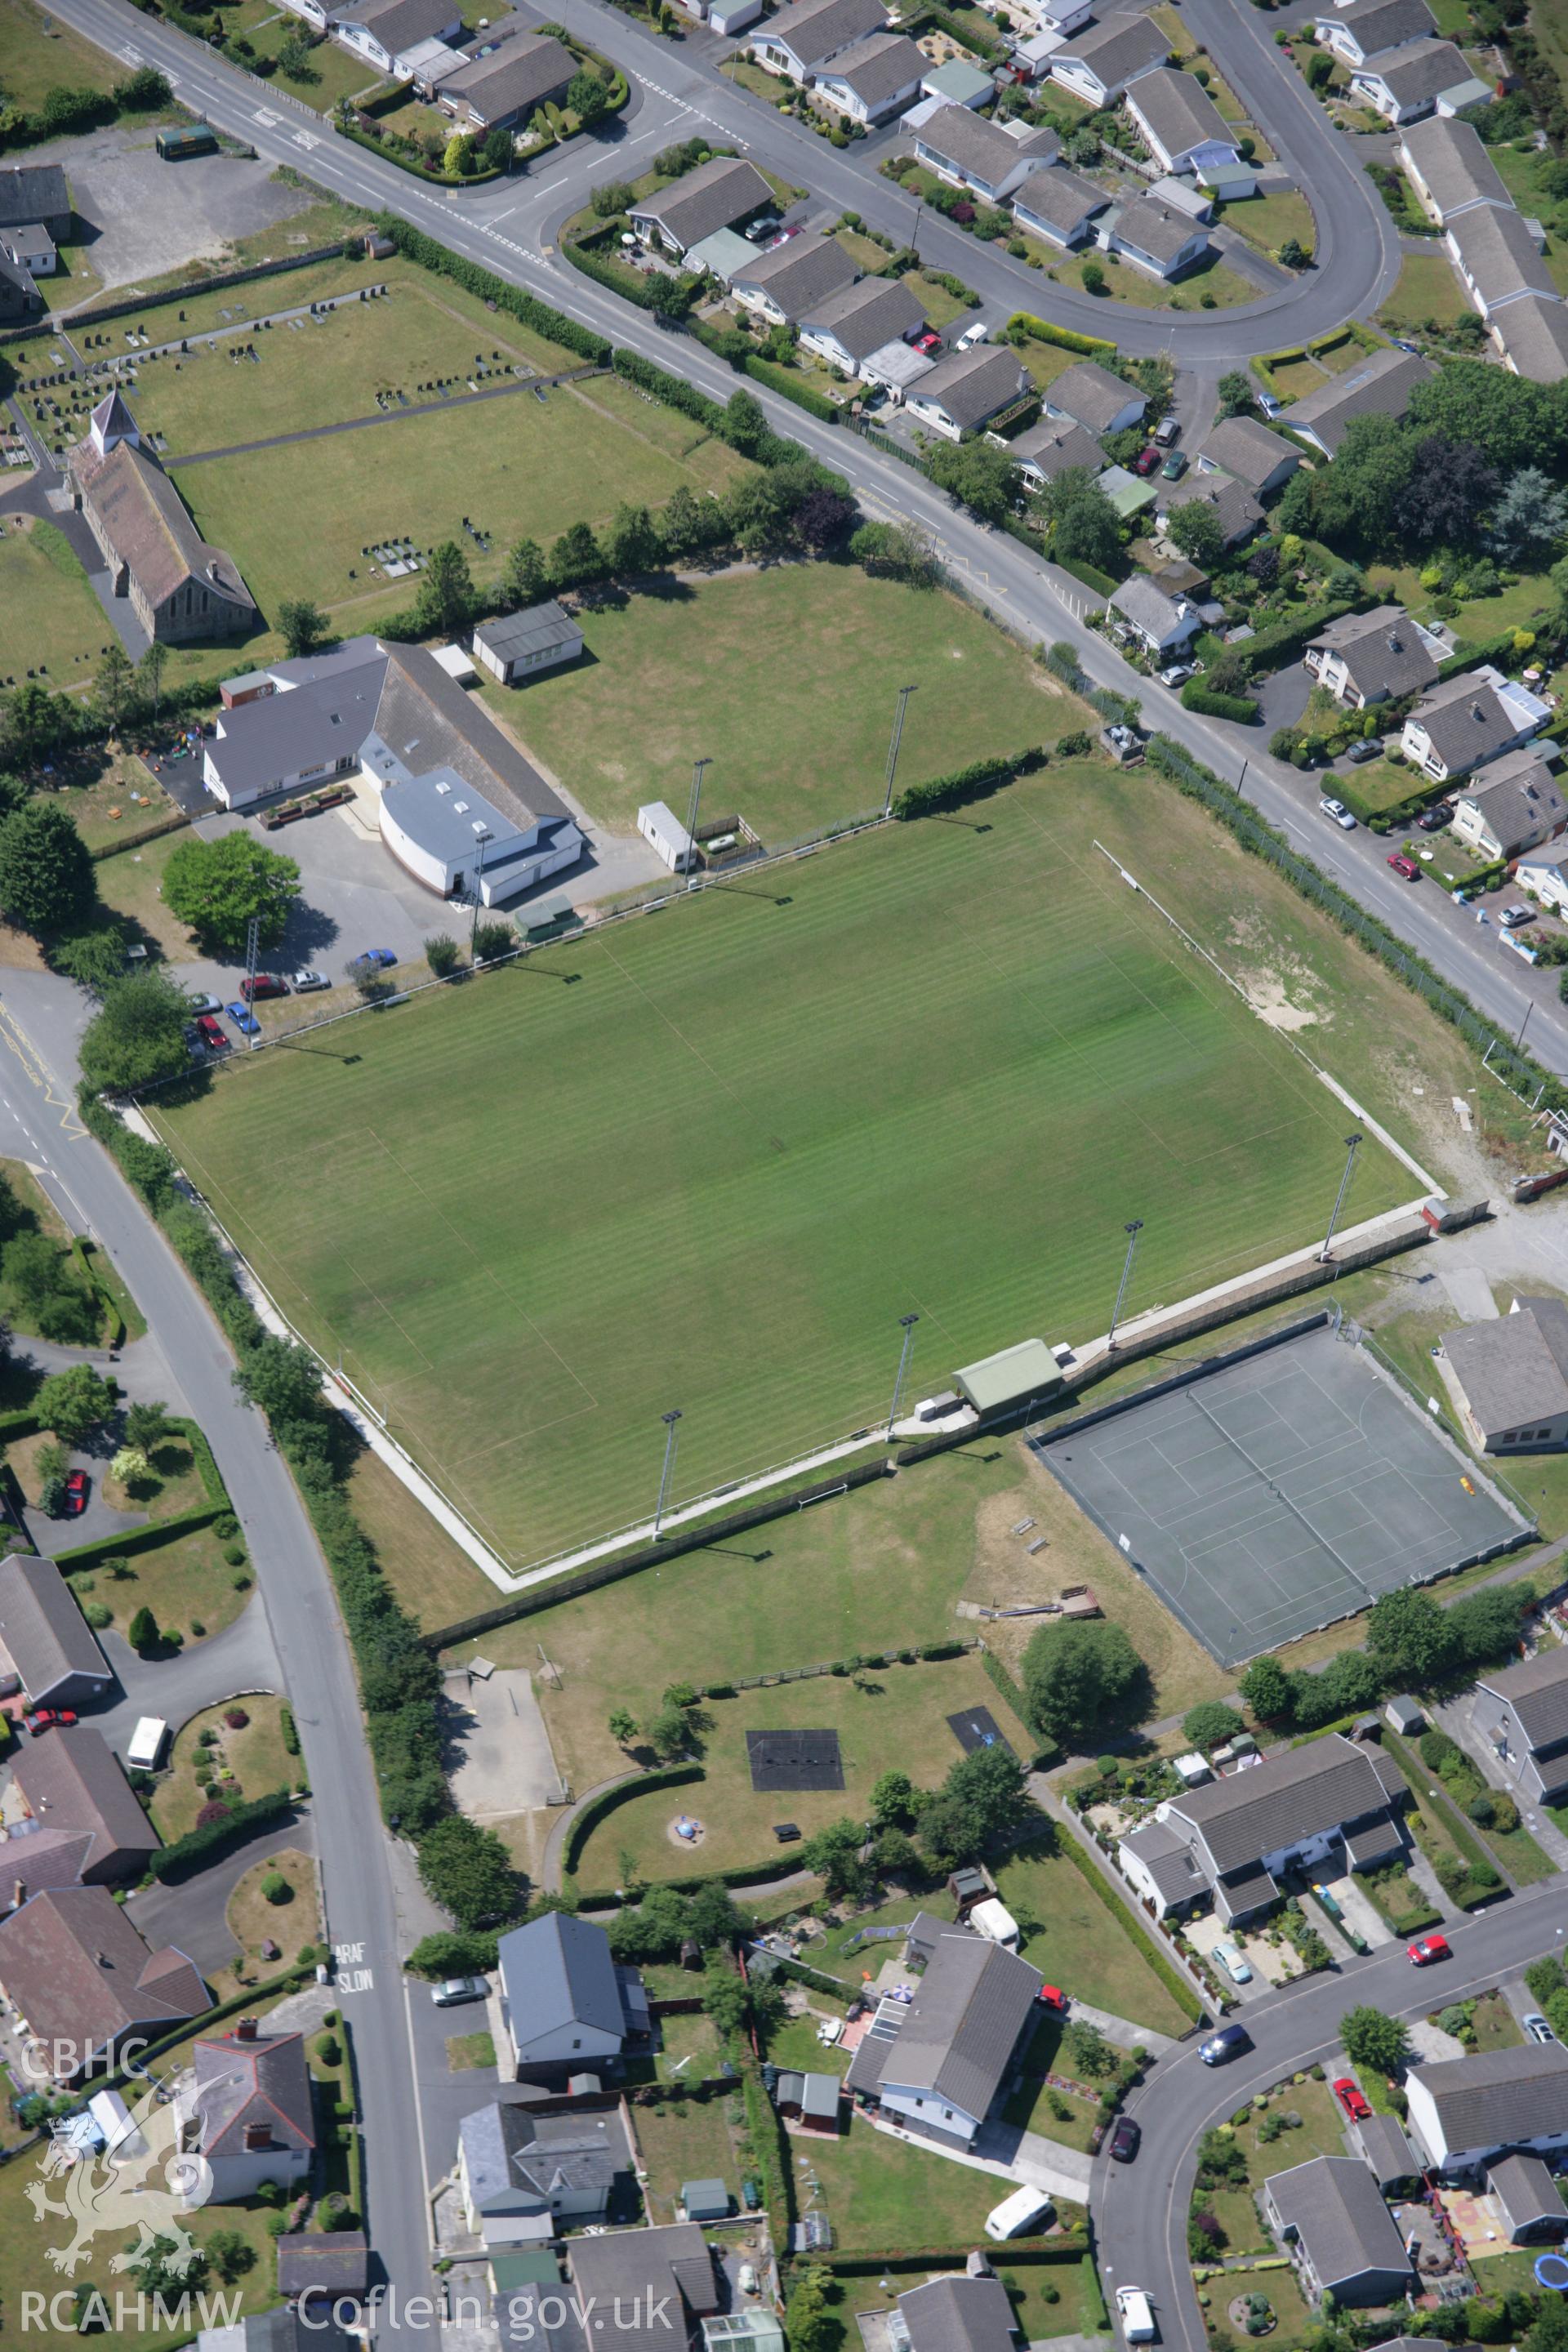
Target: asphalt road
x=1141 y=2210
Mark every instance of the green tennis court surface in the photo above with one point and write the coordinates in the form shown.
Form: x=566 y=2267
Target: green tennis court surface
x=705 y=1159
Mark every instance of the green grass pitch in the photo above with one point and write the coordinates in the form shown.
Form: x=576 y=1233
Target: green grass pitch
x=707 y=1157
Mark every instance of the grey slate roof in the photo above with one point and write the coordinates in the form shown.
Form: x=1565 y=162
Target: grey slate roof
x=1177 y=111
x=958 y=2314
x=716 y=195
x=1526 y=2190
x=1518 y=795
x=1337 y=2210
x=32 y=192
x=558 y=1970
x=1053 y=447
x=1380 y=386
x=1387 y=2151
x=803 y=269
x=1168 y=1859
x=509 y=2149
x=957 y=2037
x=513 y=79
x=72 y=1781
x=877 y=69
x=1092 y=394
x=1060 y=197
x=42 y=1630
x=1282 y=1800
x=1155 y=228
x=811 y=29
x=1534 y=335
x=397 y=25
x=1423 y=70
x=1383 y=24
x=1381 y=650
x=1248 y=451
x=1537 y=1688
x=865 y=316
x=76 y=1968
x=1146 y=606
x=323 y=2262
x=1234 y=509
x=1118 y=46
x=1465 y=723
x=1500 y=253
x=973 y=385
x=1453 y=162
x=1499 y=2096
x=262 y=2082
x=979 y=148
x=637 y=2268
x=540 y=628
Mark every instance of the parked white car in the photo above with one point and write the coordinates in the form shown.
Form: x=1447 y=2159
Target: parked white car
x=1231 y=1961
x=1338 y=812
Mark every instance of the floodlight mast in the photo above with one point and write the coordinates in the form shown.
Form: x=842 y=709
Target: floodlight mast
x=1131 y=1232
x=670 y=1419
x=698 y=768
x=907 y=1324
x=1353 y=1145
x=904 y=694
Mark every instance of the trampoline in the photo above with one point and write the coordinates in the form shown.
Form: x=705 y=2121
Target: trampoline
x=1268 y=1495
x=1552 y=2271
x=977 y=1727
x=799 y=1760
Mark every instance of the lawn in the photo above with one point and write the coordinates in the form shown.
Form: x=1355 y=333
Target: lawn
x=1267 y=221
x=37 y=60
x=1524 y=604
x=187 y=1584
x=428 y=1573
x=333 y=72
x=1125 y=282
x=1045 y=361
x=815 y=1073
x=1294 y=378
x=1080 y=1945
x=684 y=2140
x=54 y=624
x=882 y=2192
x=668 y=672
x=1427 y=287
x=247 y=1762
x=517 y=465
x=885 y=1720
x=320 y=371
x=1049 y=2298
x=1034 y=2106
x=252 y=1919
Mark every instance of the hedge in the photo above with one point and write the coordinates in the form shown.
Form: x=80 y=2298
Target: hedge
x=626 y=283
x=1069 y=338
x=739 y=1874
x=966 y=784
x=1175 y=1984
x=1065 y=2249
x=781 y=379
x=415 y=246
x=200 y=1845
x=598 y=1809
x=158 y=1532
x=772 y=449
x=930 y=16
x=1270 y=649
x=406 y=162
x=1100 y=581
x=1196 y=696
x=1470 y=656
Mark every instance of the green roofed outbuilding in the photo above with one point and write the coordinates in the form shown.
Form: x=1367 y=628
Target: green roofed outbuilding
x=998 y=1383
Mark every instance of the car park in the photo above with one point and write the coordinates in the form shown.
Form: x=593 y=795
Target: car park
x=1231 y=1961
x=266 y=983
x=1536 y=2027
x=1514 y=917
x=1227 y=2043
x=202 y=1002
x=1427 y=1949
x=1125 y=2140
x=213 y=1036
x=1353 y=2099
x=458 y=1988
x=1175 y=467
x=1340 y=813
x=1146 y=460
x=1136 y=2313
x=243 y=1018
x=304 y=982
x=1405 y=868
x=1433 y=819
x=76 y=1493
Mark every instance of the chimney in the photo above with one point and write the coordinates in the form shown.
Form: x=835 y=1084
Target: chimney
x=18 y=1893
x=245 y=2029
x=257 y=2135
x=102 y=1959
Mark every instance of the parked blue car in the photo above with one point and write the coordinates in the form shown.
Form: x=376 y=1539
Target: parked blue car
x=244 y=1019
x=383 y=956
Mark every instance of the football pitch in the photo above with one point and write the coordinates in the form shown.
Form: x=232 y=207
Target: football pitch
x=705 y=1159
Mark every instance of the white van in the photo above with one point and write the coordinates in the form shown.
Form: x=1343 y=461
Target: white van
x=1136 y=2313
x=994 y=1920
x=147 y=1744
x=1026 y=2208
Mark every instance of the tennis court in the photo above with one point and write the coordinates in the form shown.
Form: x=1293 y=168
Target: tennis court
x=1268 y=1496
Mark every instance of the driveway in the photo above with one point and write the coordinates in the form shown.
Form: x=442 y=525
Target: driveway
x=1282 y=697
x=1456 y=1716
x=191 y=1915
x=497 y=1749
x=443 y=2097
x=241 y=1658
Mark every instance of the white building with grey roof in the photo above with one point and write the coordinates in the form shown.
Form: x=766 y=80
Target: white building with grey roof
x=785 y=279
x=1370 y=28
x=1100 y=64
x=1464 y=721
x=524 y=2176
x=1464 y=2112
x=1163 y=239
x=1449 y=168
x=1520 y=1712
x=845 y=328
x=1249 y=453
x=1338 y=2230
x=1231 y=503
x=873 y=79
x=1091 y=396
x=965 y=391
x=1498 y=258
x=1295 y=1810
x=1161 y=624
x=935 y=2064
x=1371 y=657
x=567 y=2006
x=517 y=647
x=1404 y=84
x=1380 y=385
x=807 y=34
x=1177 y=120
x=1532 y=336
x=969 y=150
x=1508 y=1376
x=1511 y=805
x=1059 y=205
x=48 y=1652
x=1053 y=447
x=722 y=193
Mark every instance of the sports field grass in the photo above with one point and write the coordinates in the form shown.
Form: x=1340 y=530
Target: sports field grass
x=516 y=466
x=723 y=666
x=51 y=614
x=705 y=1160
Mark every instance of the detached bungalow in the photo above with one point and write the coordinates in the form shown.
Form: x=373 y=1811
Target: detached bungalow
x=48 y=1652
x=1161 y=624
x=1376 y=657
x=801 y=38
x=1175 y=117
x=991 y=158
x=1158 y=238
x=1382 y=387
x=1465 y=2111
x=1401 y=85
x=1532 y=334
x=1232 y=504
x=384 y=31
x=719 y=194
x=1521 y=1712
x=847 y=327
x=1372 y=27
x=1512 y=805
x=1449 y=169
x=1053 y=447
x=1058 y=205
x=1091 y=396
x=874 y=79
x=965 y=392
x=1249 y=453
x=1098 y=64
x=788 y=277
x=1462 y=724
x=497 y=92
x=1342 y=2236
x=1498 y=259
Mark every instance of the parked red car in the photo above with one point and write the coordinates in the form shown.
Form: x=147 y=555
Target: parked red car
x=266 y=983
x=928 y=342
x=1427 y=1949
x=76 y=1493
x=1147 y=459
x=1352 y=2098
x=1405 y=868
x=215 y=1037
x=1054 y=1998
x=44 y=1718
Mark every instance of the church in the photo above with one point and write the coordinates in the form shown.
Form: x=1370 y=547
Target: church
x=181 y=589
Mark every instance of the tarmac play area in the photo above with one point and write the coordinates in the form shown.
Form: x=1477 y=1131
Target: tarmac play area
x=1264 y=1495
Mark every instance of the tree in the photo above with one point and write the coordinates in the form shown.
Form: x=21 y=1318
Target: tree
x=1294 y=255
x=1085 y=528
x=587 y=98
x=162 y=2272
x=1530 y=519
x=458 y=157
x=1371 y=2038
x=467 y=1871
x=276 y=1889
x=1236 y=393
x=443 y=955
x=220 y=886
x=1195 y=529
x=984 y=476
x=1094 y=277
x=724 y=1998
x=610 y=198
x=622 y=1725
x=823 y=518
x=493 y=939
x=712 y=1916
x=525 y=579
x=1263 y=565
x=982 y=1800
x=497 y=150
x=230 y=2254
x=1410 y=1636
x=576 y=559
x=445 y=600
x=1088 y=2050
x=1210 y=1724
x=685 y=523
x=1354 y=499
x=302 y=627
x=148 y=1426
x=130 y=1466
x=900 y=551
x=115 y=685
x=1451 y=485
x=1485 y=1624
x=149 y=669
x=447 y=1953
x=810 y=2323
x=1515 y=422
x=834 y=1854
x=670 y=1734
x=74 y=1401
x=283 y=1378
x=137 y=1036
x=629 y=542
x=744 y=428
x=1076 y=1675
x=142 y=1632
x=893 y=1800
x=46 y=880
